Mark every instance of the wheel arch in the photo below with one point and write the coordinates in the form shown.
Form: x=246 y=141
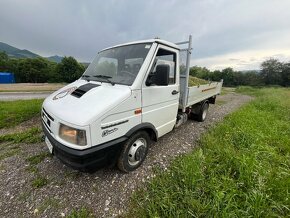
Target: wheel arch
x=212 y=99
x=148 y=127
x=198 y=106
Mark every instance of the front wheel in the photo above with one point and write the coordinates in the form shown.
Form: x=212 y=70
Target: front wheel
x=134 y=152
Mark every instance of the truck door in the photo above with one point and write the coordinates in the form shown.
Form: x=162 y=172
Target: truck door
x=160 y=103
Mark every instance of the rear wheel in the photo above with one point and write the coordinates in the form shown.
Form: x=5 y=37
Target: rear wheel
x=134 y=152
x=201 y=113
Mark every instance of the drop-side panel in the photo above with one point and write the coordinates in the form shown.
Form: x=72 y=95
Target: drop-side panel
x=199 y=93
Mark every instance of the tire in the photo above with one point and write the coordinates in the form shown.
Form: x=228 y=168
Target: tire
x=134 y=152
x=201 y=116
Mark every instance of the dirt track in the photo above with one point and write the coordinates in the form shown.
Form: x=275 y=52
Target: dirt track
x=107 y=191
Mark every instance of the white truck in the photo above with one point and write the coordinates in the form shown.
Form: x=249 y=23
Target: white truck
x=128 y=96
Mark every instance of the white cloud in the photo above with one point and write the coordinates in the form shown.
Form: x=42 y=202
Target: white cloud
x=81 y=28
x=245 y=60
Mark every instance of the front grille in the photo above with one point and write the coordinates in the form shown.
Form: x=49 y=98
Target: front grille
x=46 y=126
x=47 y=119
x=47 y=114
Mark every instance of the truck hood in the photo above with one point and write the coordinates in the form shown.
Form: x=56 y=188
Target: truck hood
x=92 y=101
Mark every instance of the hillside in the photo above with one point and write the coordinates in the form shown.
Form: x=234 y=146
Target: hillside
x=14 y=52
x=55 y=58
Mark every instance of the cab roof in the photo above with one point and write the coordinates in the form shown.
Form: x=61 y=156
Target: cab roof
x=159 y=41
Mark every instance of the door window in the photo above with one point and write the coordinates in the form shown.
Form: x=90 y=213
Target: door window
x=164 y=57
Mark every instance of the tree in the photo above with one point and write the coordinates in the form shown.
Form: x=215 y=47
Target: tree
x=35 y=70
x=4 y=64
x=272 y=71
x=285 y=75
x=238 y=78
x=252 y=78
x=200 y=72
x=69 y=69
x=106 y=68
x=228 y=76
x=216 y=75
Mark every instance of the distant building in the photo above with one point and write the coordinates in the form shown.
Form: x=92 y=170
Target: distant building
x=6 y=77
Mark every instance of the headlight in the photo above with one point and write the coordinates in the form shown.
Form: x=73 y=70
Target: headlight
x=72 y=135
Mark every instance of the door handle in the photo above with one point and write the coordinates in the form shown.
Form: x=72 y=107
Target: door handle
x=174 y=92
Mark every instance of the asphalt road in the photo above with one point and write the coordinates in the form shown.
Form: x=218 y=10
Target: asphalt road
x=11 y=96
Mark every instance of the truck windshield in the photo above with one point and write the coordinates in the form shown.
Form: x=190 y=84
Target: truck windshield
x=119 y=65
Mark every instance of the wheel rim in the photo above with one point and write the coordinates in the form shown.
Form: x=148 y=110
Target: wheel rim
x=137 y=151
x=204 y=113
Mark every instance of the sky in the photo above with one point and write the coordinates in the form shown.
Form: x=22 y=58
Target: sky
x=226 y=33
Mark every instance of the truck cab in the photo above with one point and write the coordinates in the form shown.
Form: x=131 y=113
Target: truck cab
x=128 y=96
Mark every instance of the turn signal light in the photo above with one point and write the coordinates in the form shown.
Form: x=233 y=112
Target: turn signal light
x=138 y=111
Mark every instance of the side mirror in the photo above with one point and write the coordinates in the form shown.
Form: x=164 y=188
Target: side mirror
x=162 y=75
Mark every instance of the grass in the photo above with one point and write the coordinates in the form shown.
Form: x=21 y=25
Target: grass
x=220 y=102
x=23 y=196
x=32 y=135
x=39 y=182
x=240 y=169
x=194 y=81
x=72 y=174
x=36 y=159
x=227 y=90
x=9 y=153
x=32 y=169
x=49 y=203
x=2 y=167
x=81 y=213
x=254 y=91
x=15 y=112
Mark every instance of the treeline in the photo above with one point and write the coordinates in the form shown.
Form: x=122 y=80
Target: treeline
x=40 y=70
x=273 y=72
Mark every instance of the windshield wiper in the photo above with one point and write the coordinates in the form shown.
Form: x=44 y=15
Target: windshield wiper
x=86 y=76
x=107 y=78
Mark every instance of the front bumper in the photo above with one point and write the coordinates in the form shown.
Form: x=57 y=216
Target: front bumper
x=89 y=159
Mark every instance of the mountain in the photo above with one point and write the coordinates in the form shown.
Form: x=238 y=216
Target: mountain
x=14 y=52
x=55 y=58
x=85 y=64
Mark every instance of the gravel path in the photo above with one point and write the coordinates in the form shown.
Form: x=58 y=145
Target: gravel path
x=107 y=191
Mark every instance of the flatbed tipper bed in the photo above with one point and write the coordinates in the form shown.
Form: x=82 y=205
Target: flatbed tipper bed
x=202 y=92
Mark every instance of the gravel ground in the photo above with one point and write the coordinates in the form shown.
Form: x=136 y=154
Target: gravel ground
x=105 y=192
x=34 y=122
